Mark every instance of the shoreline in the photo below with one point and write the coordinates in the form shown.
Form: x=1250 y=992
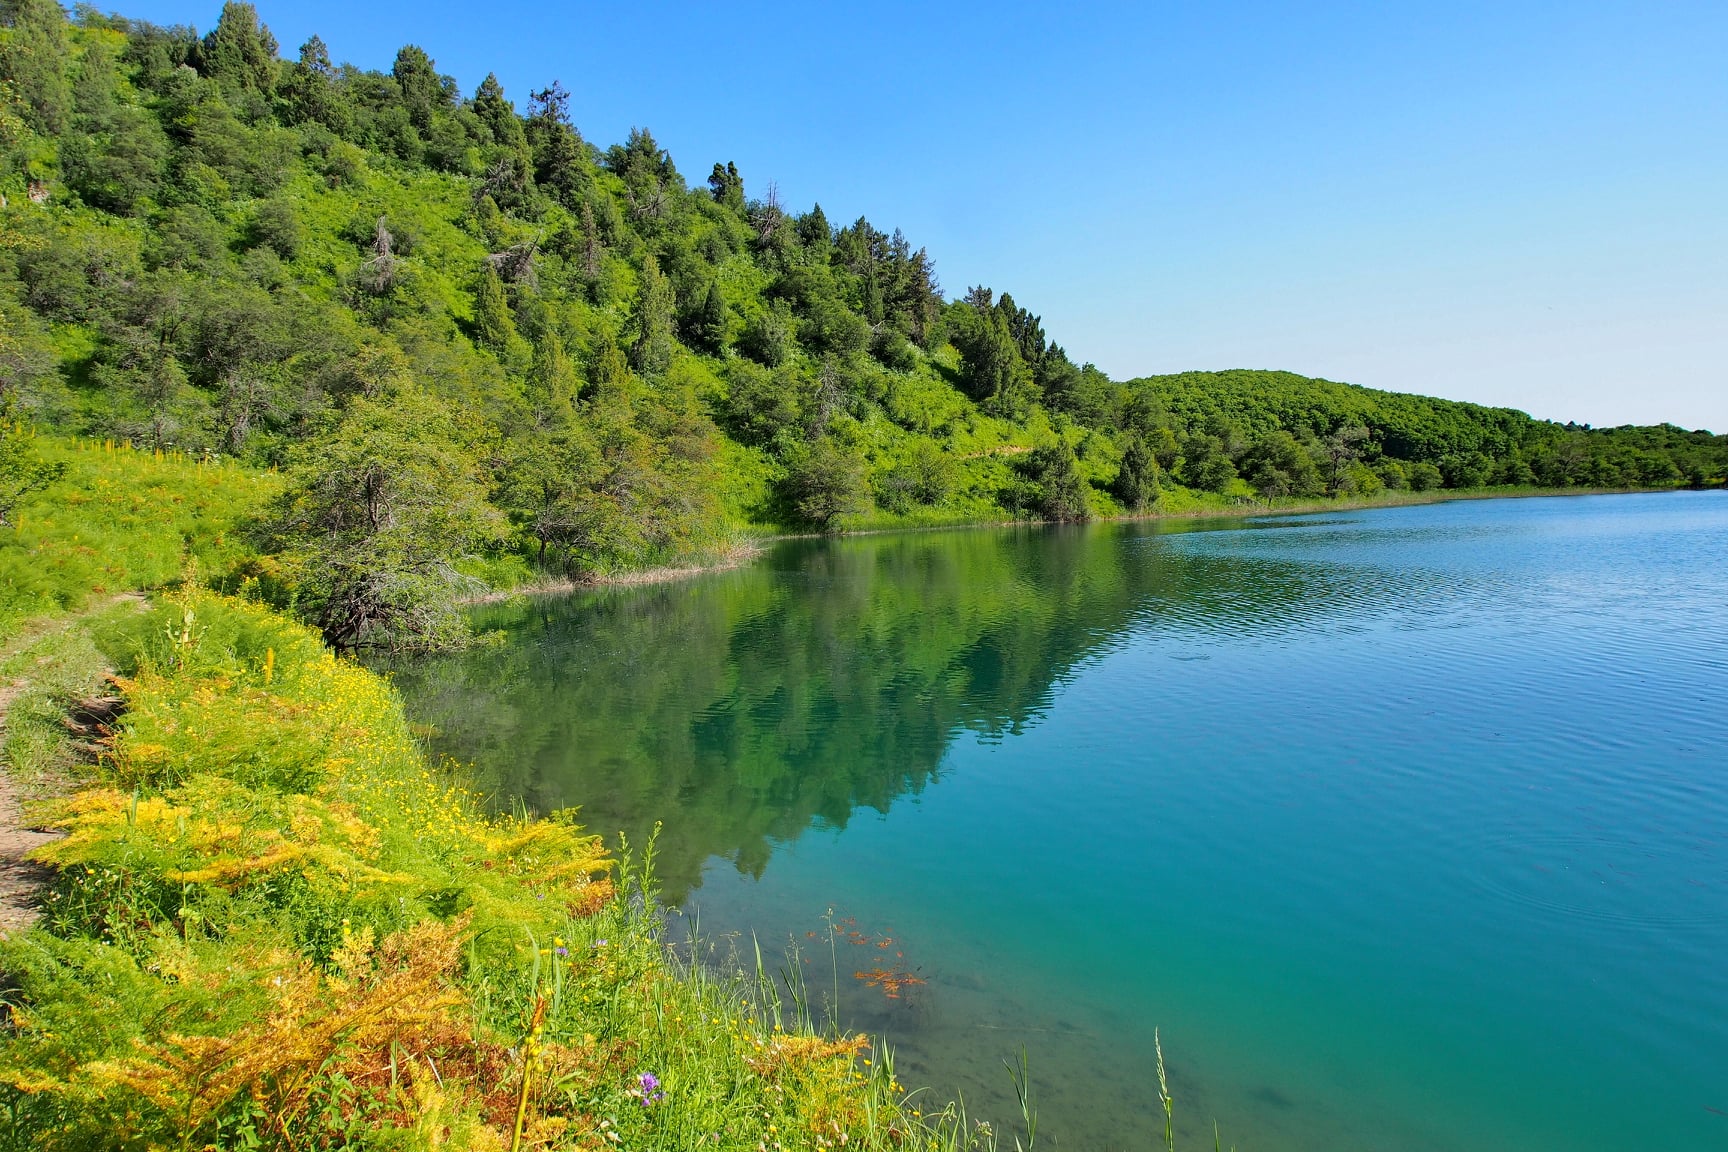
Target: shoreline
x=734 y=555
x=750 y=545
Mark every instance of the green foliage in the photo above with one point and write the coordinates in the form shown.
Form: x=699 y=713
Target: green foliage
x=824 y=482
x=1059 y=492
x=651 y=350
x=209 y=250
x=22 y=471
x=118 y=519
x=1137 y=476
x=991 y=368
x=34 y=54
x=923 y=475
x=1278 y=466
x=239 y=52
x=273 y=924
x=1206 y=463
x=493 y=325
x=372 y=517
x=1424 y=477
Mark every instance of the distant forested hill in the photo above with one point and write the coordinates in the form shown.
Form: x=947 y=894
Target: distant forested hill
x=463 y=330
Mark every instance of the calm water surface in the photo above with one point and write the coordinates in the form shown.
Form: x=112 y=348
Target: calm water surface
x=1408 y=828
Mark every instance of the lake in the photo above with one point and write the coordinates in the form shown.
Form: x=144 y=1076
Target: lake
x=1407 y=827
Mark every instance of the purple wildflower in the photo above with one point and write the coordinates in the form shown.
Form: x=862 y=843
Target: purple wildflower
x=561 y=950
x=649 y=1088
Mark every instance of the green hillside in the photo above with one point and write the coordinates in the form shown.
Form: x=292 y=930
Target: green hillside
x=475 y=342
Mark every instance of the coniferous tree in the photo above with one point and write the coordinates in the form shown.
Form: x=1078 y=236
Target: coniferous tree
x=239 y=52
x=1137 y=476
x=554 y=379
x=651 y=351
x=708 y=329
x=115 y=152
x=816 y=234
x=1061 y=490
x=991 y=369
x=560 y=160
x=309 y=90
x=33 y=58
x=493 y=324
x=727 y=187
x=591 y=245
x=422 y=89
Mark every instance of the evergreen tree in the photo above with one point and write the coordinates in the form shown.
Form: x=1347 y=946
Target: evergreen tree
x=1137 y=476
x=554 y=379
x=115 y=153
x=493 y=325
x=991 y=370
x=727 y=187
x=1061 y=490
x=816 y=233
x=33 y=57
x=591 y=243
x=422 y=89
x=560 y=159
x=652 y=350
x=498 y=114
x=609 y=370
x=708 y=329
x=309 y=90
x=239 y=52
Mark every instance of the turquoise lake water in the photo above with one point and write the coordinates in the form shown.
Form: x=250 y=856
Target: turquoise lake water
x=1408 y=828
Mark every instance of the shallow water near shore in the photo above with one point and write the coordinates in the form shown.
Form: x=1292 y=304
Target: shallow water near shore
x=1407 y=827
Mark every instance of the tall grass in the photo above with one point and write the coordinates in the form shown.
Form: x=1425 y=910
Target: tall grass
x=274 y=923
x=121 y=519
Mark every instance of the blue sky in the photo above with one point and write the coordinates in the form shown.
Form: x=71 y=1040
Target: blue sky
x=1512 y=203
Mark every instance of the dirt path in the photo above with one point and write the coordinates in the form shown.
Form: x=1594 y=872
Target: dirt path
x=21 y=880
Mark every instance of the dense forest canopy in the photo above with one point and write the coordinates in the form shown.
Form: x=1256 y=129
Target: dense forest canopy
x=467 y=334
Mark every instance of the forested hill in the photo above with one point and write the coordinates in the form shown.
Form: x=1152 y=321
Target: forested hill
x=465 y=331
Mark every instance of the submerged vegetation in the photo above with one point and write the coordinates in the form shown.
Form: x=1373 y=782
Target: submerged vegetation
x=474 y=343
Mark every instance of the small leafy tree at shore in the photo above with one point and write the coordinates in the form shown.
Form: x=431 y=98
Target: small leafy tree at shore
x=1137 y=476
x=374 y=515
x=1061 y=490
x=825 y=482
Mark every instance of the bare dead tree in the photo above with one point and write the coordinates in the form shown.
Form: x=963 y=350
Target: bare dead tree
x=648 y=202
x=504 y=178
x=516 y=263
x=830 y=394
x=378 y=274
x=245 y=398
x=768 y=214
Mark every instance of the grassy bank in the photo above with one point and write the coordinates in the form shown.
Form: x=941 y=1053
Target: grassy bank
x=271 y=922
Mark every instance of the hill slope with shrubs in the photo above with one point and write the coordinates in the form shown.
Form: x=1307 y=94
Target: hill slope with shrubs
x=474 y=341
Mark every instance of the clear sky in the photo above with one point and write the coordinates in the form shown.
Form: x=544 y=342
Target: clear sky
x=1510 y=202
